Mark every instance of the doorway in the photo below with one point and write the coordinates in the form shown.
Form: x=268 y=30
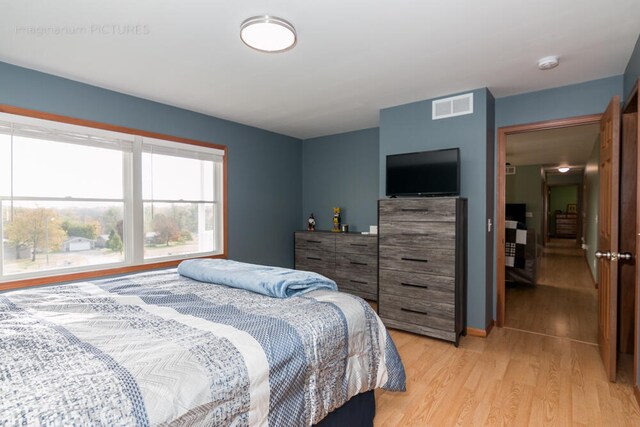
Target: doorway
x=503 y=133
x=549 y=287
x=618 y=183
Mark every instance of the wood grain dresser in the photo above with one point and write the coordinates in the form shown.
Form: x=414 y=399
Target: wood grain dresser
x=566 y=225
x=351 y=259
x=422 y=265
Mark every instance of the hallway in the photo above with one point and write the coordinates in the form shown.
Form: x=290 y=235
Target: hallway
x=563 y=303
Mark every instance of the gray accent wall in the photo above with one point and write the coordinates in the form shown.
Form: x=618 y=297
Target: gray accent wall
x=409 y=128
x=632 y=71
x=264 y=168
x=341 y=171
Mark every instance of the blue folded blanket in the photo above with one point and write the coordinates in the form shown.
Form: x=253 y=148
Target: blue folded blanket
x=271 y=281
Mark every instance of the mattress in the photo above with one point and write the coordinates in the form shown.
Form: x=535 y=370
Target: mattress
x=157 y=348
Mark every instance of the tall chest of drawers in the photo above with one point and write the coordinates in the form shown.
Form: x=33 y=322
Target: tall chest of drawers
x=422 y=265
x=350 y=259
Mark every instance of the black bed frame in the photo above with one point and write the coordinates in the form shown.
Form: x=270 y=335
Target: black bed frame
x=357 y=412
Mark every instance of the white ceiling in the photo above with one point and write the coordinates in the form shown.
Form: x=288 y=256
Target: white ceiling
x=556 y=147
x=352 y=58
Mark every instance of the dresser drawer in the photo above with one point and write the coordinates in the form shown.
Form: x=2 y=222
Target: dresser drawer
x=357 y=243
x=319 y=242
x=363 y=290
x=418 y=260
x=426 y=287
x=358 y=277
x=357 y=262
x=357 y=274
x=418 y=234
x=315 y=261
x=434 y=209
x=437 y=316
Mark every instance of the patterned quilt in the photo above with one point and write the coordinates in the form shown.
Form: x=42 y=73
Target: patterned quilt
x=157 y=348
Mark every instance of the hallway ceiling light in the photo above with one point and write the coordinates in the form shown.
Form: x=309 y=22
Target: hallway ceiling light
x=548 y=63
x=563 y=169
x=268 y=34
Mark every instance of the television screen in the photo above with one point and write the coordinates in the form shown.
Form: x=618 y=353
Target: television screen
x=427 y=173
x=516 y=212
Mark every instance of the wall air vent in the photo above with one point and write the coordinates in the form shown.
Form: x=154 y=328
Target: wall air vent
x=511 y=170
x=452 y=107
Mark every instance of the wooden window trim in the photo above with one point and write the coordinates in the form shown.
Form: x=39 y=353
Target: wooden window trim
x=57 y=278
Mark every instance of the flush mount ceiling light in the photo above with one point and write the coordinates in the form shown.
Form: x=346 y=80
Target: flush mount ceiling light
x=268 y=34
x=548 y=62
x=563 y=169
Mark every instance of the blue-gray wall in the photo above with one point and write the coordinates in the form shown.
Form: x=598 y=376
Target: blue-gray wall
x=632 y=71
x=264 y=168
x=341 y=171
x=408 y=128
x=579 y=99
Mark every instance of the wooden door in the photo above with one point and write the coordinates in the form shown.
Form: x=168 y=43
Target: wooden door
x=608 y=235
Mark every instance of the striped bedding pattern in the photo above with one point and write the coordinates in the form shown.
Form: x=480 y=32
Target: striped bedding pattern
x=157 y=348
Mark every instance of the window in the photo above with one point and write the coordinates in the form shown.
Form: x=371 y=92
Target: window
x=76 y=198
x=180 y=194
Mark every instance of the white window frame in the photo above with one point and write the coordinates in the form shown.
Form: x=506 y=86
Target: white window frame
x=133 y=203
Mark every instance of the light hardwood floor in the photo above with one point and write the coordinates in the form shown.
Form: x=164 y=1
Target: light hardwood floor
x=563 y=303
x=510 y=378
x=552 y=376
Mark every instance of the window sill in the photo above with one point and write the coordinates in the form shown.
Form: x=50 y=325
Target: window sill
x=70 y=277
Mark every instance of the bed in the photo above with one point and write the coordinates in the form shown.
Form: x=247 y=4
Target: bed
x=157 y=348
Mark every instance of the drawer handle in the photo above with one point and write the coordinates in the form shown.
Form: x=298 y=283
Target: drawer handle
x=358 y=244
x=314 y=241
x=359 y=281
x=314 y=258
x=414 y=210
x=411 y=285
x=414 y=259
x=414 y=311
x=358 y=263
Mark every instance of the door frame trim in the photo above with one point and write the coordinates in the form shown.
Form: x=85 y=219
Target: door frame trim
x=501 y=199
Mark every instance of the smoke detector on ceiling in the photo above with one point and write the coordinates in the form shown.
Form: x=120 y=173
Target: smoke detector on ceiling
x=548 y=62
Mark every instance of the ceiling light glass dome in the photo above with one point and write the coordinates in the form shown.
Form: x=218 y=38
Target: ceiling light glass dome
x=268 y=34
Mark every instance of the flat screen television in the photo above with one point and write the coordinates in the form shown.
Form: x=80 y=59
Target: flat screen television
x=426 y=173
x=516 y=212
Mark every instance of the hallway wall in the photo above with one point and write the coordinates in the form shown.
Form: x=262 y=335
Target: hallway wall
x=526 y=187
x=592 y=199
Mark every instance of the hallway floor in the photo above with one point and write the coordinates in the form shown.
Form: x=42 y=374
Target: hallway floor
x=563 y=303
